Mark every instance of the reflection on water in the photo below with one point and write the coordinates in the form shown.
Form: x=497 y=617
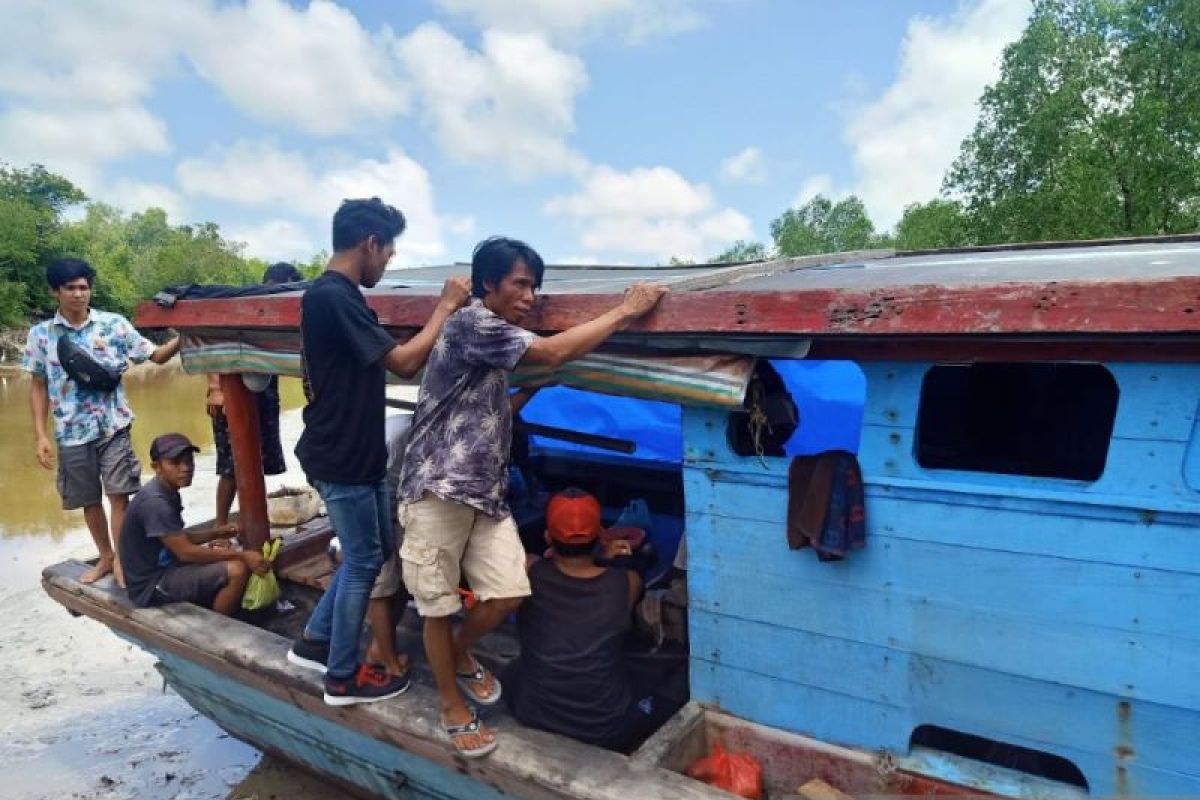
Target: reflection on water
x=163 y=398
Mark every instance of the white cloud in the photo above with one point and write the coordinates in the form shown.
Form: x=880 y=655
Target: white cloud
x=258 y=174
x=646 y=191
x=633 y=20
x=276 y=240
x=76 y=77
x=904 y=141
x=649 y=212
x=315 y=68
x=76 y=141
x=131 y=195
x=746 y=166
x=813 y=186
x=509 y=105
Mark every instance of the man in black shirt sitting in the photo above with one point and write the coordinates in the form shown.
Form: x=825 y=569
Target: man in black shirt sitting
x=573 y=677
x=166 y=564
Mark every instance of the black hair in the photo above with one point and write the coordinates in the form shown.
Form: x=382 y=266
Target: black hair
x=496 y=256
x=282 y=272
x=65 y=270
x=356 y=220
x=573 y=550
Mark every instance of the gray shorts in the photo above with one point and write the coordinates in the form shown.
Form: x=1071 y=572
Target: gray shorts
x=87 y=472
x=191 y=583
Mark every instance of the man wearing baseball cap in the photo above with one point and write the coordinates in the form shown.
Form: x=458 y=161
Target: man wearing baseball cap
x=572 y=678
x=166 y=564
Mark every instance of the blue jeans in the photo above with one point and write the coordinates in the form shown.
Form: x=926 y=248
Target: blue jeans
x=362 y=518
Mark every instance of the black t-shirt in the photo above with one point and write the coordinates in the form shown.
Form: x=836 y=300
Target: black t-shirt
x=156 y=510
x=344 y=346
x=572 y=630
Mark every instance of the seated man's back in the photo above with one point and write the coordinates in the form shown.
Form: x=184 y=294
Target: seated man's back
x=572 y=632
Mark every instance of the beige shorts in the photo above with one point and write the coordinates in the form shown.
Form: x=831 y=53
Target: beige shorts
x=444 y=541
x=388 y=581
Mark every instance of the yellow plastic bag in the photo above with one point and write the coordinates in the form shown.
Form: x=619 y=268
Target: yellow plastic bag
x=262 y=590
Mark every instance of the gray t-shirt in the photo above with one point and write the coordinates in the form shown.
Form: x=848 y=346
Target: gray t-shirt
x=155 y=511
x=462 y=428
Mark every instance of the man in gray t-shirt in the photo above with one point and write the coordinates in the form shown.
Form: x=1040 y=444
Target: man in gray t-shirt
x=165 y=563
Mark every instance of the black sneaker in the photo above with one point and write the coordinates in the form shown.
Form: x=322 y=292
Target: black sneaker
x=310 y=654
x=366 y=686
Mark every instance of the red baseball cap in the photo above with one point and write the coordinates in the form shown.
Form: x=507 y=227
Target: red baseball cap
x=573 y=517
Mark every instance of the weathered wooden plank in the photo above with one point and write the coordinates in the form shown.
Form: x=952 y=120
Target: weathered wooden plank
x=1164 y=305
x=1050 y=528
x=1140 y=665
x=529 y=763
x=836 y=718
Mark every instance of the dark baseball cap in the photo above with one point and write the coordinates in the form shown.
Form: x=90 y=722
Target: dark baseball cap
x=171 y=445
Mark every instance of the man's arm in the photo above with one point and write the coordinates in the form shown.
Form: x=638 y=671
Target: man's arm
x=165 y=351
x=39 y=404
x=554 y=351
x=407 y=359
x=187 y=551
x=215 y=401
x=211 y=534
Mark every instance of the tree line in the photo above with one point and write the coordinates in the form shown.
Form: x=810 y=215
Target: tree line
x=136 y=255
x=1092 y=130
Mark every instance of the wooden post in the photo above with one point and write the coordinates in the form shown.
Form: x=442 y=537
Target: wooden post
x=241 y=414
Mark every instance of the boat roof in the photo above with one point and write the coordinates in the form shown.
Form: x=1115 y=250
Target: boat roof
x=1117 y=288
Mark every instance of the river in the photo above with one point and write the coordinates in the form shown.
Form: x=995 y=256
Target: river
x=86 y=716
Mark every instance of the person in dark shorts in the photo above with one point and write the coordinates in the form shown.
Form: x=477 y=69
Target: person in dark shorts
x=268 y=417
x=165 y=564
x=574 y=676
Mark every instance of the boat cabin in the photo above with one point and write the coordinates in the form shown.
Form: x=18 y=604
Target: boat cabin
x=1022 y=619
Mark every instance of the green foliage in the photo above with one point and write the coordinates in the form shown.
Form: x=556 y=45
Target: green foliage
x=741 y=250
x=927 y=226
x=134 y=256
x=822 y=226
x=1093 y=128
x=31 y=203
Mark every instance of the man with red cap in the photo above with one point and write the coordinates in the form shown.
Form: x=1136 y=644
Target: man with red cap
x=165 y=563
x=572 y=676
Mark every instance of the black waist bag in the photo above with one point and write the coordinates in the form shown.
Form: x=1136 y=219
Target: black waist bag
x=86 y=371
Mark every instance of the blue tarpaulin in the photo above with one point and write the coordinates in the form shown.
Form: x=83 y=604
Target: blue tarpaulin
x=828 y=394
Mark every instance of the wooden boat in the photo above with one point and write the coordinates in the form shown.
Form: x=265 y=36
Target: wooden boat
x=1021 y=621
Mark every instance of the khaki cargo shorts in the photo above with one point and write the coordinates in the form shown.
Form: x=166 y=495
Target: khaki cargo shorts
x=444 y=541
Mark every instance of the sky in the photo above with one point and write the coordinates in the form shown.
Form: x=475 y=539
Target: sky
x=599 y=131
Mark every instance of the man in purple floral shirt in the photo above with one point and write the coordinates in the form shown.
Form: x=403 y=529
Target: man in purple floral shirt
x=455 y=474
x=91 y=427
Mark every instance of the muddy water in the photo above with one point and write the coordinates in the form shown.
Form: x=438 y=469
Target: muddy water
x=85 y=714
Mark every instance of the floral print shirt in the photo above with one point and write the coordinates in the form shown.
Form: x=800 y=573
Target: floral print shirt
x=459 y=441
x=84 y=415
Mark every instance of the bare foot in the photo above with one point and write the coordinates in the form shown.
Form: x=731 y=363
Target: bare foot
x=103 y=566
x=397 y=668
x=119 y=573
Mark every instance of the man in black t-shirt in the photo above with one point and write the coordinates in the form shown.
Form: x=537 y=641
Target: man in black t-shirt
x=342 y=449
x=166 y=564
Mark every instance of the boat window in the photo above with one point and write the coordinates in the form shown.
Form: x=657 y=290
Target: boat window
x=810 y=406
x=1000 y=754
x=1040 y=419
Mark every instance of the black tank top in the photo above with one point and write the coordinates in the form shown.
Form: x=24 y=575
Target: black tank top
x=572 y=631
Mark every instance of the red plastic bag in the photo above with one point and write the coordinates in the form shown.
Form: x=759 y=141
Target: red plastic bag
x=738 y=773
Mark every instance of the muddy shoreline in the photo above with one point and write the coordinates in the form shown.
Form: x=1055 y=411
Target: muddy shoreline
x=86 y=714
